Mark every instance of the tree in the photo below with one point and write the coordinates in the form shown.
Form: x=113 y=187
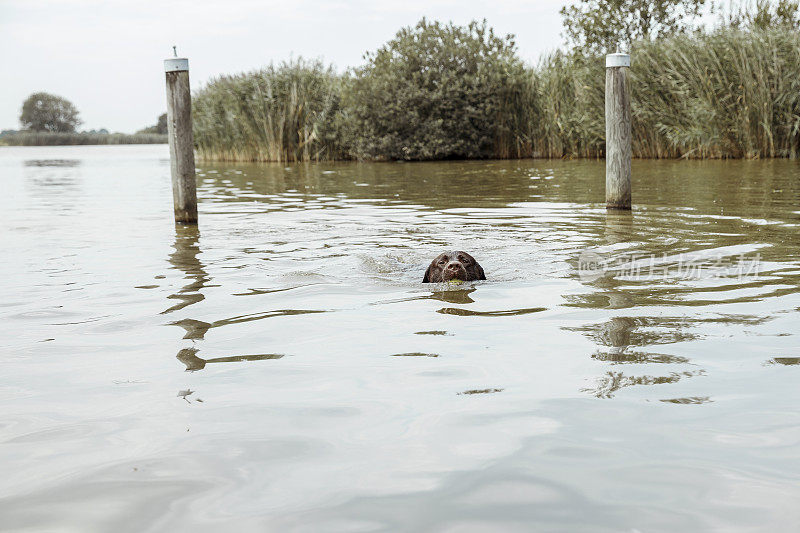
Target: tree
x=436 y=91
x=764 y=14
x=48 y=112
x=602 y=26
x=159 y=127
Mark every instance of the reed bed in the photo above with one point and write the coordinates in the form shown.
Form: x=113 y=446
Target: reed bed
x=279 y=113
x=730 y=93
x=40 y=138
x=569 y=119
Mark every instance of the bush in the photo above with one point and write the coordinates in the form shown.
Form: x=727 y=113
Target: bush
x=439 y=91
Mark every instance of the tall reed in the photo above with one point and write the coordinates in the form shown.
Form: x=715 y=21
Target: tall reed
x=728 y=94
x=732 y=93
x=569 y=90
x=283 y=113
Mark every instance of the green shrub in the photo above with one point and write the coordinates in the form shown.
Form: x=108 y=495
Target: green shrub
x=439 y=91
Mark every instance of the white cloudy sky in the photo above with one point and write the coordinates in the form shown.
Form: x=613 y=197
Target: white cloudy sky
x=105 y=55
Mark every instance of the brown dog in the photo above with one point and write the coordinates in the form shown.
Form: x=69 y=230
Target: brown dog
x=453 y=265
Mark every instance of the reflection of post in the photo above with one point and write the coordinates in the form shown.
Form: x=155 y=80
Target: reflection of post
x=616 y=333
x=188 y=356
x=184 y=258
x=619 y=229
x=618 y=226
x=619 y=299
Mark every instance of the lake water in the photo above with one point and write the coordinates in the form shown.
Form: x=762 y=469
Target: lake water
x=282 y=368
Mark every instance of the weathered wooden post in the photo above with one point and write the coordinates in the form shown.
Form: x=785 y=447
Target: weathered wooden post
x=618 y=132
x=181 y=140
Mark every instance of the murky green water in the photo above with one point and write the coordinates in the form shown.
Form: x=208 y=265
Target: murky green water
x=282 y=368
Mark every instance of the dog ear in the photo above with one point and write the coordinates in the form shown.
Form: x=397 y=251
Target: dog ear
x=427 y=278
x=481 y=275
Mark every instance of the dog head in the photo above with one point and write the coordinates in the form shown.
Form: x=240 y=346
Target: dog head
x=453 y=265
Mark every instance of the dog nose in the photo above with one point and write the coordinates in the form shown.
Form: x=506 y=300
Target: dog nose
x=453 y=265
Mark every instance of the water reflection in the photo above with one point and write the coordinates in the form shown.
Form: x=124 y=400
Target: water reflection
x=787 y=361
x=55 y=184
x=639 y=357
x=614 y=336
x=750 y=188
x=481 y=391
x=188 y=356
x=691 y=400
x=505 y=312
x=611 y=382
x=197 y=329
x=454 y=297
x=52 y=163
x=617 y=335
x=184 y=258
x=619 y=226
x=458 y=185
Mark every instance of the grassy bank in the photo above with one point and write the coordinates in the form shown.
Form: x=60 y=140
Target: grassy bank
x=730 y=93
x=63 y=139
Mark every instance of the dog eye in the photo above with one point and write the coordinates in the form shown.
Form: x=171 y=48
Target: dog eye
x=463 y=259
x=442 y=261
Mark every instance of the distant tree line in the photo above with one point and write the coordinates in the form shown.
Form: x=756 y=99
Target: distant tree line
x=47 y=119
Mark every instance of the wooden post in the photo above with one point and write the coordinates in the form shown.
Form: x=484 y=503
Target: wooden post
x=181 y=140
x=618 y=132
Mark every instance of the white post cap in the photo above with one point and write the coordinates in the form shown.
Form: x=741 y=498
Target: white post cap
x=618 y=60
x=175 y=64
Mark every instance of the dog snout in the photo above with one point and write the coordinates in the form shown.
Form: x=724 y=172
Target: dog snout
x=454 y=266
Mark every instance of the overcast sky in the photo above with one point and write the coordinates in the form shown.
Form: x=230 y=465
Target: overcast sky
x=106 y=56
